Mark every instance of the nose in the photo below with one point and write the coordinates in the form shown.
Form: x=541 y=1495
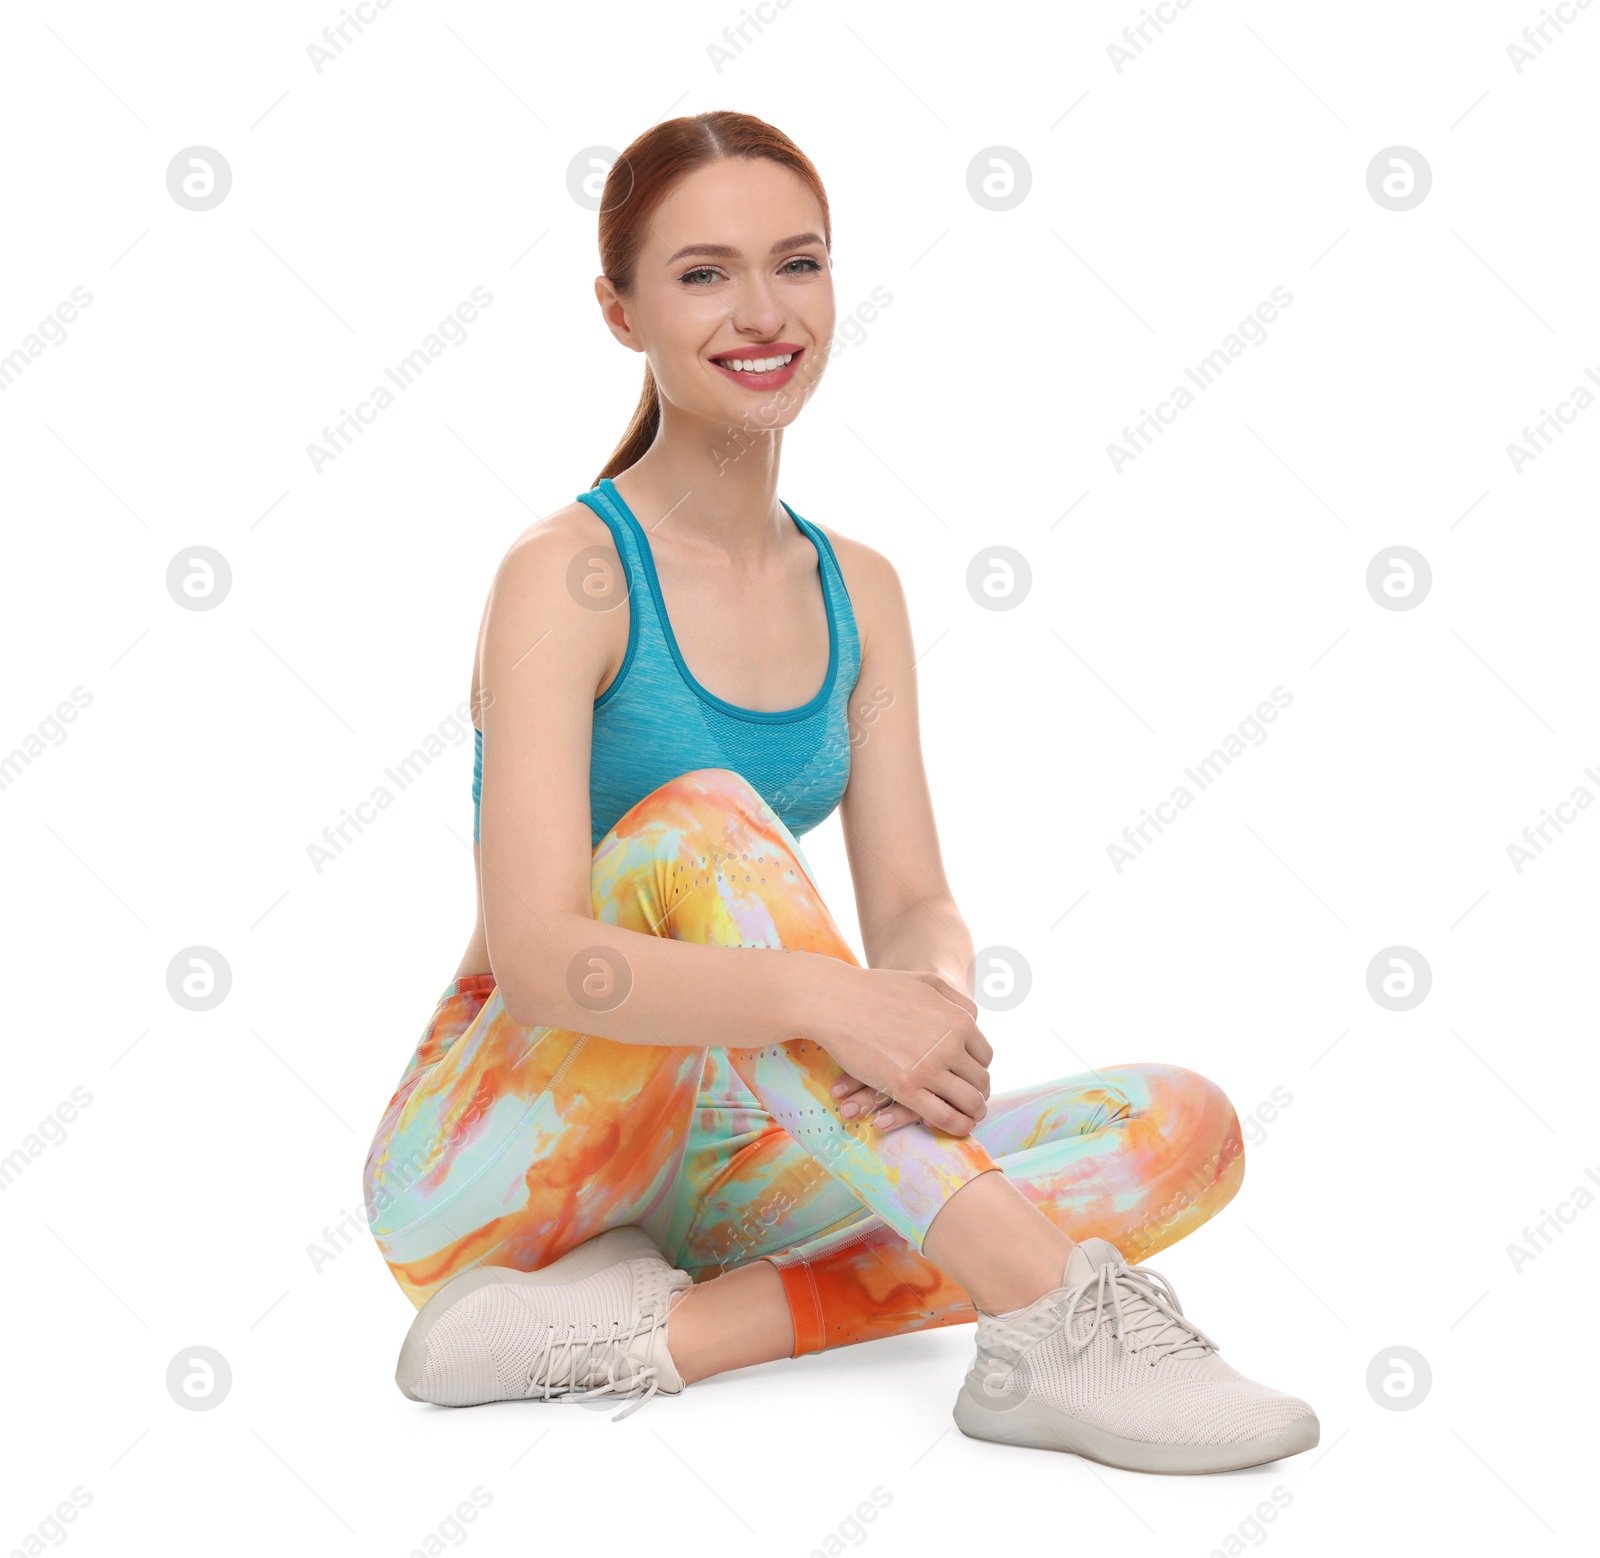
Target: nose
x=756 y=308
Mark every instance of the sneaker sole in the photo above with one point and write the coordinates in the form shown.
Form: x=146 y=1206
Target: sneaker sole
x=596 y=1254
x=1041 y=1427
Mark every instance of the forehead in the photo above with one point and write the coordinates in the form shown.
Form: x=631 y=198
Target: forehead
x=748 y=203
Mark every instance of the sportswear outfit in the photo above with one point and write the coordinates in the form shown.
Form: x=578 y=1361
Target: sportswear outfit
x=510 y=1146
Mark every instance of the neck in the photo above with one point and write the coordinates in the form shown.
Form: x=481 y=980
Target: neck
x=714 y=482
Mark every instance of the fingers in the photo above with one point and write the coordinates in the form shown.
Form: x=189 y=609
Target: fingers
x=934 y=1111
x=865 y=1101
x=951 y=1071
x=871 y=1103
x=865 y=1104
x=956 y=1104
x=968 y=1069
x=957 y=1112
x=937 y=1076
x=972 y=1038
x=892 y=1116
x=962 y=1096
x=979 y=1047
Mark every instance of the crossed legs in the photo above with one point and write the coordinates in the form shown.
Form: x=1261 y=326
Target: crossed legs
x=509 y=1145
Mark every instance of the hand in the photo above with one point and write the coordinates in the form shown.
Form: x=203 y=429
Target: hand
x=932 y=1059
x=857 y=1100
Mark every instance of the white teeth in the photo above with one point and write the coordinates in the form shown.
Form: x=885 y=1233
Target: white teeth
x=756 y=364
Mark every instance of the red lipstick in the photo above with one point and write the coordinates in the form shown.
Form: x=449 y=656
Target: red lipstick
x=766 y=379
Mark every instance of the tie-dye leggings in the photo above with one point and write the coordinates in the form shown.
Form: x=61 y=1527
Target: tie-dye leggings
x=508 y=1145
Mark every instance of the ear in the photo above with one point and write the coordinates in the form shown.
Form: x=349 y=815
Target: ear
x=614 y=310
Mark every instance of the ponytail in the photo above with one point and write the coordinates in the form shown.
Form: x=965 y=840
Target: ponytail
x=641 y=430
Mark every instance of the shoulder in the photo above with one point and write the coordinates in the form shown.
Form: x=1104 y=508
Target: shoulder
x=552 y=584
x=566 y=557
x=876 y=595
x=551 y=543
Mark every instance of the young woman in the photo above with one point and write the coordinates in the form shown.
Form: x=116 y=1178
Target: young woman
x=661 y=1096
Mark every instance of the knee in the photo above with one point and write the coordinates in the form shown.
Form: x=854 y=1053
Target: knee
x=1190 y=1110
x=698 y=801
x=1192 y=1152
x=726 y=787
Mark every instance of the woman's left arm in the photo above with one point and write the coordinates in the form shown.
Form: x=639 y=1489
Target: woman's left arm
x=908 y=916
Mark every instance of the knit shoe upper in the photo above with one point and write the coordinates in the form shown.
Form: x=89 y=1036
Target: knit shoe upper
x=509 y=1337
x=1112 y=1349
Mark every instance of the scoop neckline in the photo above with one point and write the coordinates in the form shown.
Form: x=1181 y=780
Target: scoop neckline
x=738 y=711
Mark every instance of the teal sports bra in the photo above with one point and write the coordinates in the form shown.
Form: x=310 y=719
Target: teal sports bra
x=655 y=721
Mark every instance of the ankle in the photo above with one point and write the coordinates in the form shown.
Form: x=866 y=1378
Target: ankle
x=683 y=1337
x=732 y=1321
x=1000 y=1246
x=1005 y=1292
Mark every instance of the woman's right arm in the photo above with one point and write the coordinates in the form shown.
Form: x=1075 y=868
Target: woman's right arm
x=542 y=658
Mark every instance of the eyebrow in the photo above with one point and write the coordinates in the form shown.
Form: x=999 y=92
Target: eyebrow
x=724 y=251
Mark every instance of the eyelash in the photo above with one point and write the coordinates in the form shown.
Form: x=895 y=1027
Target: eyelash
x=711 y=270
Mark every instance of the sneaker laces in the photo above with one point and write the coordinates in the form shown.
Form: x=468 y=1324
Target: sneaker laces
x=563 y=1361
x=1144 y=1311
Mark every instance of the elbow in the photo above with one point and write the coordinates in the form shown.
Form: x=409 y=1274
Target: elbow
x=524 y=1006
x=515 y=1008
x=511 y=984
x=534 y=991
x=528 y=999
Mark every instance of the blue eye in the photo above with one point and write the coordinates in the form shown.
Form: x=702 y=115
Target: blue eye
x=705 y=275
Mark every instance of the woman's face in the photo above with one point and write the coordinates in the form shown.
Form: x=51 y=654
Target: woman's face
x=734 y=270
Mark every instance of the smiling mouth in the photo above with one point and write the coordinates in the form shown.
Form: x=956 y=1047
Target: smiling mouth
x=756 y=364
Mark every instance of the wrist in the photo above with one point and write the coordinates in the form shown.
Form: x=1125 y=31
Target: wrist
x=908 y=943
x=955 y=974
x=818 y=986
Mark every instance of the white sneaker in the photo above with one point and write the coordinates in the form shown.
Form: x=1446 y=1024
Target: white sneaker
x=590 y=1324
x=1105 y=1366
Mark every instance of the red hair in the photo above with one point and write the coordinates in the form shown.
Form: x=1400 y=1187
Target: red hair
x=640 y=179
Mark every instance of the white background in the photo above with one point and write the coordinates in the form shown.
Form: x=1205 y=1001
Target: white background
x=1167 y=201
